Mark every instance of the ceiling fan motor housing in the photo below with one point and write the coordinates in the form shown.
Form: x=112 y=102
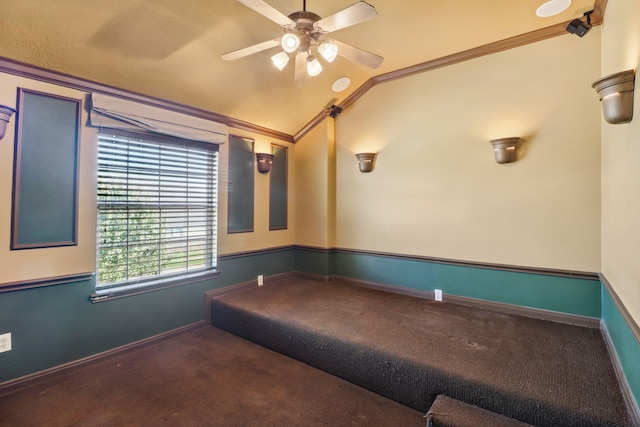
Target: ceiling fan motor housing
x=304 y=28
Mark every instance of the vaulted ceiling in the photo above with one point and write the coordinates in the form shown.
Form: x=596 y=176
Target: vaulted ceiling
x=172 y=49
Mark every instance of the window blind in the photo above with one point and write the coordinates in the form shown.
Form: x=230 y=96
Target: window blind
x=157 y=209
x=108 y=112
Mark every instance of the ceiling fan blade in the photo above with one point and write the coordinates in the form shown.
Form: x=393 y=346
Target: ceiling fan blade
x=269 y=12
x=301 y=76
x=352 y=15
x=241 y=53
x=358 y=55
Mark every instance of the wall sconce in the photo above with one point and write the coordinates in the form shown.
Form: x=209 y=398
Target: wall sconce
x=5 y=116
x=365 y=161
x=616 y=94
x=505 y=149
x=264 y=162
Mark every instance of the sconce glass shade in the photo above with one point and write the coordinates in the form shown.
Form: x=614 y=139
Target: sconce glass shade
x=313 y=66
x=365 y=161
x=329 y=51
x=290 y=42
x=280 y=60
x=264 y=162
x=5 y=116
x=505 y=149
x=616 y=93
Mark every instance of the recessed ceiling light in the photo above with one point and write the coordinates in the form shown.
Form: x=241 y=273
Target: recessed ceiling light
x=552 y=7
x=341 y=84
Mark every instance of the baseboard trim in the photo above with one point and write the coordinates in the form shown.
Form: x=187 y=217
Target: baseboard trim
x=537 y=313
x=633 y=326
x=629 y=399
x=16 y=384
x=312 y=276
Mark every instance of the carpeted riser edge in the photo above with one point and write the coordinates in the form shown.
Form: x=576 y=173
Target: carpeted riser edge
x=385 y=374
x=448 y=412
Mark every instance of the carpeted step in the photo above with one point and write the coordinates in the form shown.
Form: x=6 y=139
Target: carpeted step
x=411 y=350
x=448 y=412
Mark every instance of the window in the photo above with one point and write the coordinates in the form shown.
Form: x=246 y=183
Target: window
x=157 y=209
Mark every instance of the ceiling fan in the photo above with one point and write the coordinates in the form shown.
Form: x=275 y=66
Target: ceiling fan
x=306 y=32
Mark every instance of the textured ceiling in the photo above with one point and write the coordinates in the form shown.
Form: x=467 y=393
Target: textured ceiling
x=171 y=49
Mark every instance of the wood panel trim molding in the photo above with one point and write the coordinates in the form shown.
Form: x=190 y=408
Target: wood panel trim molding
x=504 y=267
x=65 y=80
x=488 y=49
x=263 y=251
x=47 y=281
x=14 y=385
x=633 y=326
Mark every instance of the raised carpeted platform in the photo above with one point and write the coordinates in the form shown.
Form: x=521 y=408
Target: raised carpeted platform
x=411 y=350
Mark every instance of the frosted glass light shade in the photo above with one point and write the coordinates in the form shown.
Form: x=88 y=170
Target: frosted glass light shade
x=329 y=51
x=290 y=42
x=313 y=66
x=280 y=60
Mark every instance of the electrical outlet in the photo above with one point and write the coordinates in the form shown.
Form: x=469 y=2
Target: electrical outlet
x=260 y=280
x=438 y=294
x=5 y=342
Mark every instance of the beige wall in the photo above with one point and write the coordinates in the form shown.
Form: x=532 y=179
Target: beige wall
x=315 y=187
x=51 y=262
x=436 y=189
x=621 y=162
x=23 y=265
x=261 y=237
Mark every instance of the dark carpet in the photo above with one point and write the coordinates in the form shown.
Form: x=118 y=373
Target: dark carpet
x=203 y=377
x=408 y=349
x=448 y=412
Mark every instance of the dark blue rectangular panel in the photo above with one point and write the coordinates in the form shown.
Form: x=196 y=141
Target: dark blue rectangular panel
x=45 y=183
x=241 y=186
x=278 y=189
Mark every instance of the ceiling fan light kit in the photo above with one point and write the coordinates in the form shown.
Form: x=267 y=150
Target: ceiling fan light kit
x=328 y=51
x=313 y=66
x=305 y=32
x=280 y=60
x=290 y=42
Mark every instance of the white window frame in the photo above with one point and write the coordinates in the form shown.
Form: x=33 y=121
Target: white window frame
x=128 y=186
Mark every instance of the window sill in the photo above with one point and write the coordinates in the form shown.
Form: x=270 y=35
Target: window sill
x=151 y=286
